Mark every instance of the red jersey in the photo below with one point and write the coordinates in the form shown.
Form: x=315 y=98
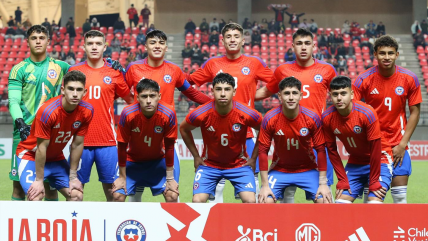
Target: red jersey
x=388 y=97
x=246 y=70
x=102 y=84
x=315 y=82
x=292 y=138
x=355 y=131
x=169 y=76
x=53 y=123
x=145 y=136
x=224 y=136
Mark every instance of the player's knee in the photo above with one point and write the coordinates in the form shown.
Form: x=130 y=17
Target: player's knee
x=76 y=196
x=171 y=197
x=270 y=200
x=38 y=198
x=199 y=199
x=118 y=197
x=248 y=198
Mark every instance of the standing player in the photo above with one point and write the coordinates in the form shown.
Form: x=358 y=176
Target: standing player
x=147 y=133
x=315 y=76
x=224 y=123
x=386 y=88
x=40 y=155
x=245 y=69
x=296 y=131
x=103 y=84
x=370 y=157
x=167 y=74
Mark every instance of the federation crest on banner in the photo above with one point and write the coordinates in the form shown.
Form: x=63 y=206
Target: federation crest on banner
x=131 y=230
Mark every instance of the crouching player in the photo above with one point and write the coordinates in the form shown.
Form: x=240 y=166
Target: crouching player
x=40 y=156
x=293 y=128
x=357 y=126
x=224 y=125
x=144 y=160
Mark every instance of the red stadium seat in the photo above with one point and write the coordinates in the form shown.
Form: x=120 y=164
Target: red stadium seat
x=357 y=49
x=213 y=50
x=426 y=49
x=273 y=55
x=205 y=48
x=281 y=50
x=66 y=49
x=328 y=31
x=189 y=36
x=222 y=50
x=264 y=49
x=355 y=43
x=247 y=49
x=264 y=42
x=256 y=49
x=264 y=55
x=197 y=42
x=281 y=61
x=374 y=62
x=423 y=62
x=425 y=76
x=13 y=55
x=63 y=30
x=421 y=55
x=320 y=31
x=187 y=61
x=135 y=30
x=281 y=42
x=272 y=36
x=272 y=43
x=126 y=36
x=420 y=50
x=104 y=30
x=366 y=49
x=280 y=36
x=288 y=37
x=275 y=103
x=288 y=43
x=360 y=69
x=115 y=55
x=264 y=36
x=197 y=30
x=49 y=49
x=359 y=62
x=197 y=36
x=266 y=103
x=424 y=69
x=128 y=30
x=337 y=31
x=351 y=68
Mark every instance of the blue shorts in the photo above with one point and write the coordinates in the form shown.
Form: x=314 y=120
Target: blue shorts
x=150 y=174
x=250 y=147
x=406 y=166
x=359 y=176
x=105 y=158
x=206 y=179
x=56 y=172
x=330 y=170
x=308 y=181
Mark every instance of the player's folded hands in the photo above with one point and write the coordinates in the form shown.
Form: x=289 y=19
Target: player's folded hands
x=75 y=185
x=325 y=192
x=264 y=194
x=35 y=190
x=171 y=185
x=119 y=183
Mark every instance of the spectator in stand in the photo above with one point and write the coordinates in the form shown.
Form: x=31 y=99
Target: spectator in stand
x=152 y=27
x=125 y=46
x=141 y=38
x=313 y=26
x=131 y=16
x=380 y=29
x=322 y=40
x=1 y=22
x=331 y=39
x=108 y=52
x=139 y=55
x=256 y=26
x=246 y=25
x=187 y=52
x=346 y=28
x=272 y=27
x=71 y=54
x=368 y=65
x=47 y=25
x=221 y=24
x=333 y=61
x=131 y=58
x=59 y=38
x=54 y=26
x=294 y=19
x=370 y=32
x=119 y=26
x=247 y=38
x=21 y=33
x=341 y=50
x=279 y=10
x=70 y=60
x=27 y=24
x=204 y=26
x=205 y=37
x=281 y=28
x=424 y=27
x=304 y=24
x=54 y=54
x=264 y=26
x=289 y=55
x=10 y=33
x=332 y=50
x=214 y=38
x=62 y=55
x=11 y=22
x=197 y=55
x=205 y=56
x=256 y=39
x=71 y=31
x=95 y=25
x=214 y=25
x=370 y=24
x=419 y=40
x=86 y=26
x=415 y=28
x=84 y=57
x=145 y=13
x=343 y=66
x=355 y=31
x=189 y=27
x=338 y=39
x=115 y=44
x=18 y=16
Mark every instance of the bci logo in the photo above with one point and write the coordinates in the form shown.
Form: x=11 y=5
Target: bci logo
x=256 y=235
x=308 y=232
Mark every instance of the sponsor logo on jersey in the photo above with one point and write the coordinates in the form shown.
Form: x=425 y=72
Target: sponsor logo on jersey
x=211 y=128
x=358 y=129
x=195 y=186
x=304 y=131
x=360 y=235
x=131 y=230
x=318 y=78
x=279 y=133
x=308 y=231
x=245 y=71
x=76 y=124
x=52 y=74
x=167 y=78
x=249 y=185
x=336 y=131
x=158 y=129
x=374 y=92
x=399 y=90
x=107 y=80
x=236 y=127
x=57 y=126
x=256 y=234
x=136 y=129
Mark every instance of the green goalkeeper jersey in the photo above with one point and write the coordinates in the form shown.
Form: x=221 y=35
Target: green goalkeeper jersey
x=31 y=84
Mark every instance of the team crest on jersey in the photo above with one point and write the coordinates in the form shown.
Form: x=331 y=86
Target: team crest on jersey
x=167 y=78
x=399 y=90
x=158 y=129
x=107 y=80
x=318 y=78
x=76 y=124
x=52 y=74
x=195 y=186
x=245 y=71
x=358 y=129
x=236 y=127
x=131 y=230
x=304 y=131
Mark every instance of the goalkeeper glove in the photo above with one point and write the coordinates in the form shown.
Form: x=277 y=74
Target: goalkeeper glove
x=116 y=65
x=24 y=129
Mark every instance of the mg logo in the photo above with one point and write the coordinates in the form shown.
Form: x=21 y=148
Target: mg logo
x=308 y=232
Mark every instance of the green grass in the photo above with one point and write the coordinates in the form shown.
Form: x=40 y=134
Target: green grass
x=417 y=188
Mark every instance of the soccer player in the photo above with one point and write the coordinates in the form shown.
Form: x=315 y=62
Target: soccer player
x=167 y=74
x=246 y=70
x=146 y=135
x=315 y=76
x=103 y=83
x=294 y=129
x=224 y=124
x=370 y=157
x=40 y=156
x=386 y=88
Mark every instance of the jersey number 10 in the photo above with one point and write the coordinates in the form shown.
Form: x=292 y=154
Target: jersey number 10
x=94 y=92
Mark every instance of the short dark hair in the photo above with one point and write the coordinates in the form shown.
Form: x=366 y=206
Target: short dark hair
x=385 y=41
x=156 y=33
x=290 y=82
x=147 y=84
x=94 y=33
x=74 y=75
x=37 y=29
x=224 y=78
x=232 y=26
x=340 y=82
x=302 y=32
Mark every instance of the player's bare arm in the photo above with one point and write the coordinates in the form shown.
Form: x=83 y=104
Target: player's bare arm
x=252 y=160
x=36 y=191
x=76 y=149
x=263 y=93
x=171 y=183
x=399 y=150
x=120 y=182
x=375 y=162
x=323 y=188
x=342 y=183
x=186 y=134
x=129 y=98
x=265 y=191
